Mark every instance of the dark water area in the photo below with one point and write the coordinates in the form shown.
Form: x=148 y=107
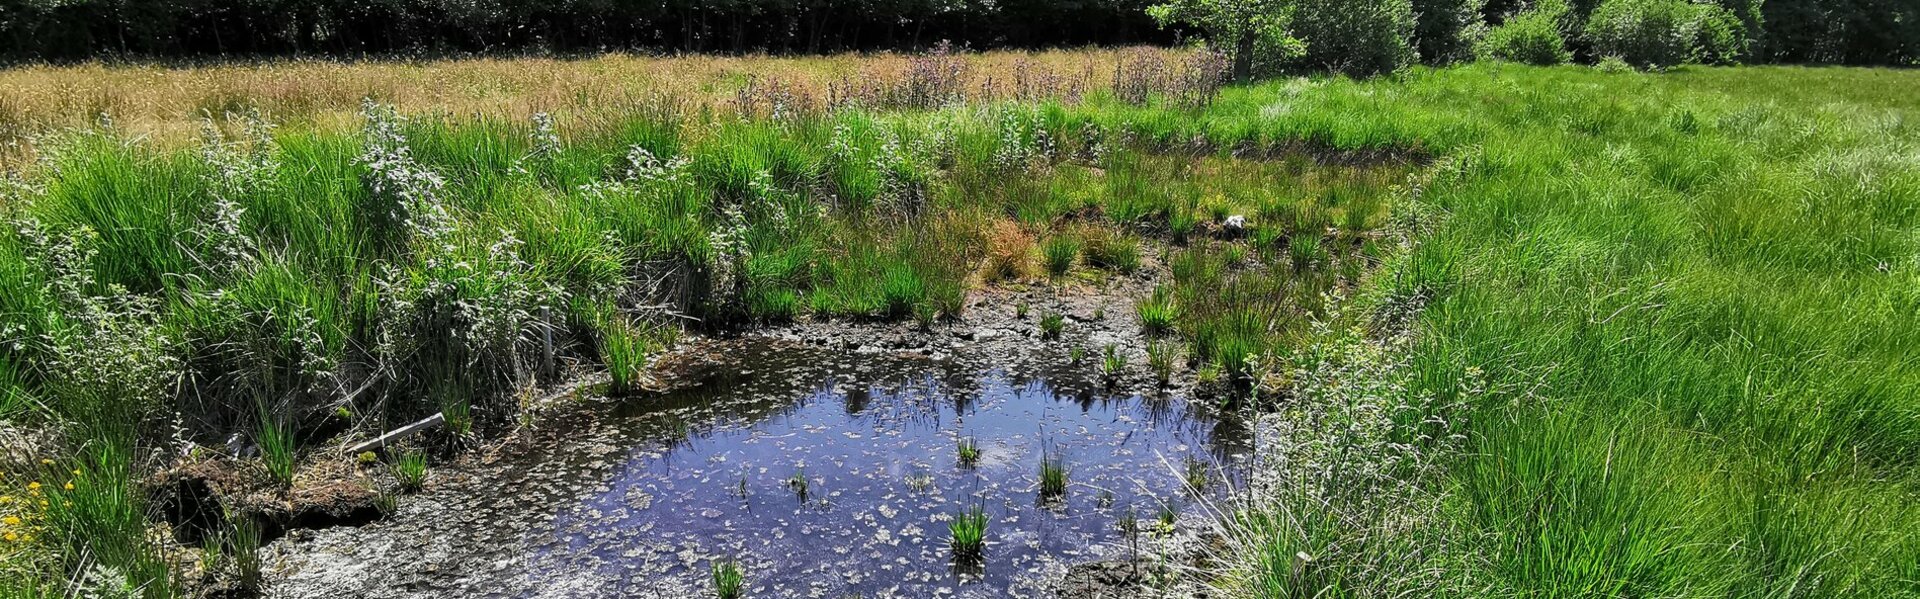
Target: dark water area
x=713 y=474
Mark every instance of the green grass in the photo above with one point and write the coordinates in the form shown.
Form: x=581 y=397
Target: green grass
x=729 y=581
x=969 y=532
x=1053 y=477
x=1670 y=315
x=967 y=452
x=410 y=470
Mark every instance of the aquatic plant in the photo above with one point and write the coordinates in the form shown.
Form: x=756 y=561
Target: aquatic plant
x=410 y=469
x=969 y=532
x=967 y=452
x=1160 y=359
x=1052 y=324
x=798 y=483
x=1053 y=476
x=1114 y=363
x=729 y=581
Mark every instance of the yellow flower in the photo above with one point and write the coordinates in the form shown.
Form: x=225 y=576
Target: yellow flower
x=76 y=472
x=11 y=520
x=33 y=486
x=69 y=485
x=46 y=462
x=11 y=536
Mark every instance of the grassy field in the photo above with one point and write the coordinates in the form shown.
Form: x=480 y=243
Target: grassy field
x=1665 y=344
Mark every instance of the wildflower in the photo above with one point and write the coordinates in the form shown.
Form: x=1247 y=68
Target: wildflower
x=12 y=536
x=33 y=486
x=11 y=520
x=46 y=462
x=69 y=486
x=76 y=472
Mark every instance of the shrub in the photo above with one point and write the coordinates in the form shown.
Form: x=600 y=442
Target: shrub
x=1356 y=37
x=1658 y=34
x=1532 y=37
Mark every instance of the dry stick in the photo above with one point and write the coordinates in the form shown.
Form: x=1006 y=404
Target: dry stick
x=436 y=419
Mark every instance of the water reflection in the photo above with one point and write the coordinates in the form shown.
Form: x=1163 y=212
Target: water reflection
x=833 y=475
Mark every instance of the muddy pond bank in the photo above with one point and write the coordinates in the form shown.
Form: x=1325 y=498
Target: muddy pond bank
x=824 y=458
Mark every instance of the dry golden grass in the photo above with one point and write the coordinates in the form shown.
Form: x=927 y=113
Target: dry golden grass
x=167 y=102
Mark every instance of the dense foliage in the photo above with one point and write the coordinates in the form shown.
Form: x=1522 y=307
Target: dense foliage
x=1354 y=36
x=70 y=29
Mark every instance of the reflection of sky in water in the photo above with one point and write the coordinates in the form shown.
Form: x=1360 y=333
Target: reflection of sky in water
x=882 y=484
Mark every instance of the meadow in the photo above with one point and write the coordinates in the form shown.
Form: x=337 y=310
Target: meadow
x=1580 y=332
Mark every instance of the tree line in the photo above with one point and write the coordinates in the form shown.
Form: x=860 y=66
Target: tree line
x=1359 y=36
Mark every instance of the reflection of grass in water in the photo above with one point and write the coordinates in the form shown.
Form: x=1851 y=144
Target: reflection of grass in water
x=1197 y=476
x=969 y=529
x=728 y=579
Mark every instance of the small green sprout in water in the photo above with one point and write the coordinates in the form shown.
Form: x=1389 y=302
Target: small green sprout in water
x=968 y=452
x=920 y=483
x=969 y=530
x=1114 y=363
x=728 y=580
x=1052 y=325
x=410 y=468
x=1198 y=478
x=1167 y=517
x=740 y=487
x=1053 y=477
x=798 y=482
x=1129 y=525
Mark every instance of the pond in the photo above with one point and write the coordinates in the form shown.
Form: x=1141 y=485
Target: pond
x=829 y=474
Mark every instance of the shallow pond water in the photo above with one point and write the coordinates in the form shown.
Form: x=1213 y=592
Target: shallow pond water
x=712 y=474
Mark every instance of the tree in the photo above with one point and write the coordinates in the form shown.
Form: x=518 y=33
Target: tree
x=1446 y=29
x=1252 y=32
